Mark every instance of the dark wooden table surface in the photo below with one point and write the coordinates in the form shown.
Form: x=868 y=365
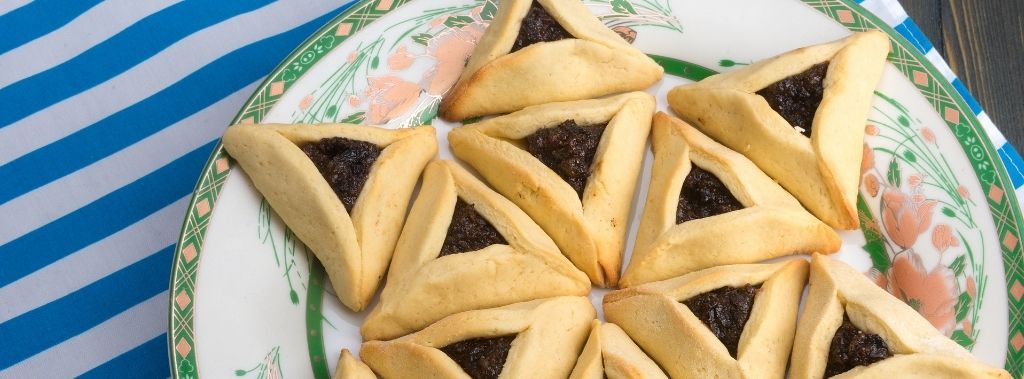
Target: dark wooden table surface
x=983 y=41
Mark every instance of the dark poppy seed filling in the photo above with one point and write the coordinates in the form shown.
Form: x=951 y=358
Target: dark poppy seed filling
x=852 y=347
x=344 y=163
x=568 y=149
x=469 y=231
x=796 y=98
x=704 y=195
x=539 y=26
x=725 y=311
x=481 y=358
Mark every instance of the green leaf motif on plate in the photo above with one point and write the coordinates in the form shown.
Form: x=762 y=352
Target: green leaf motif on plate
x=894 y=175
x=355 y=118
x=726 y=63
x=958 y=265
x=623 y=6
x=879 y=258
x=457 y=21
x=424 y=115
x=876 y=242
x=422 y=38
x=963 y=304
x=909 y=155
x=961 y=338
x=489 y=10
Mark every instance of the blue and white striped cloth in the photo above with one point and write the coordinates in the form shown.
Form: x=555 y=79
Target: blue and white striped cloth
x=108 y=111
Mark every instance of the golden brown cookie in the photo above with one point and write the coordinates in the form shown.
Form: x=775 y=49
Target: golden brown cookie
x=588 y=216
x=466 y=247
x=844 y=301
x=536 y=339
x=350 y=368
x=609 y=353
x=757 y=110
x=354 y=247
x=577 y=58
x=725 y=322
x=709 y=206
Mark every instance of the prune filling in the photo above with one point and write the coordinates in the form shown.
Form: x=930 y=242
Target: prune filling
x=469 y=231
x=852 y=347
x=344 y=163
x=568 y=149
x=796 y=98
x=481 y=358
x=704 y=195
x=725 y=311
x=539 y=26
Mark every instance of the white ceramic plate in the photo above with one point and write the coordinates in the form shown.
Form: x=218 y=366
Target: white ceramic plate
x=938 y=214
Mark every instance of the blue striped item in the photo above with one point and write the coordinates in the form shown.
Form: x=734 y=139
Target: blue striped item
x=108 y=111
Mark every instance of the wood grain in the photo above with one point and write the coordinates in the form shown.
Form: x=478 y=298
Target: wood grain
x=983 y=41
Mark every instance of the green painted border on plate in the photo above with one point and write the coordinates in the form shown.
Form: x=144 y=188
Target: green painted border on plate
x=314 y=320
x=988 y=168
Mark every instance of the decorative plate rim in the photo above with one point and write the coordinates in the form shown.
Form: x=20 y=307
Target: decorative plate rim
x=1006 y=210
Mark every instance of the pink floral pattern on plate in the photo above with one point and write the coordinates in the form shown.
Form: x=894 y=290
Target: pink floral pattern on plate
x=924 y=243
x=438 y=42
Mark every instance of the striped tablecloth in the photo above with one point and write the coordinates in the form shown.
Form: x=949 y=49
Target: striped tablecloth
x=108 y=111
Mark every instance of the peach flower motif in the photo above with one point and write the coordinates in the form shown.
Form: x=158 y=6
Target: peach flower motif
x=943 y=239
x=401 y=59
x=878 y=277
x=967 y=327
x=918 y=197
x=389 y=97
x=450 y=49
x=871 y=183
x=306 y=102
x=868 y=160
x=905 y=217
x=915 y=180
x=928 y=134
x=475 y=12
x=354 y=101
x=962 y=191
x=972 y=287
x=871 y=130
x=932 y=293
x=626 y=33
x=351 y=57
